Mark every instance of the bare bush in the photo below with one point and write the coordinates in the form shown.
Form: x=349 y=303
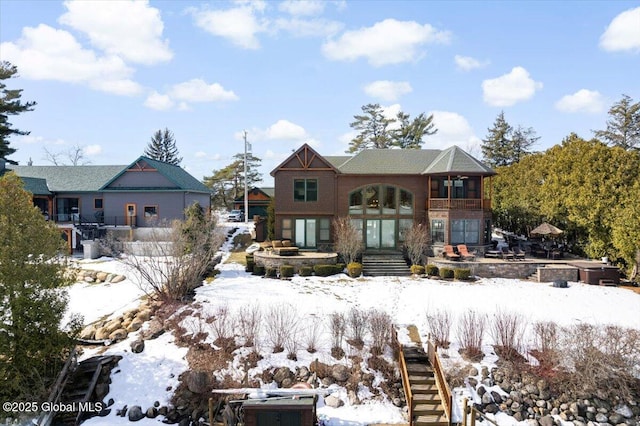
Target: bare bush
x=380 y=324
x=338 y=327
x=313 y=331
x=416 y=242
x=174 y=263
x=600 y=359
x=545 y=349
x=280 y=322
x=249 y=321
x=507 y=330
x=357 y=321
x=471 y=326
x=292 y=344
x=439 y=323
x=347 y=239
x=223 y=325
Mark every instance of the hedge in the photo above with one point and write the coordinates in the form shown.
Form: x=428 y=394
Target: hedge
x=324 y=270
x=258 y=270
x=286 y=271
x=270 y=272
x=305 y=271
x=446 y=273
x=462 y=274
x=354 y=269
x=432 y=270
x=417 y=269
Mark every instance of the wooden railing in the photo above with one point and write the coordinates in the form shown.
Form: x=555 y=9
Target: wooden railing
x=470 y=409
x=441 y=382
x=459 y=204
x=404 y=373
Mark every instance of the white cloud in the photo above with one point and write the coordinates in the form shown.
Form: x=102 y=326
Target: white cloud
x=200 y=154
x=623 y=33
x=308 y=27
x=386 y=42
x=197 y=90
x=158 y=102
x=129 y=29
x=510 y=88
x=302 y=7
x=240 y=25
x=388 y=90
x=453 y=129
x=91 y=150
x=467 y=63
x=285 y=130
x=583 y=100
x=46 y=53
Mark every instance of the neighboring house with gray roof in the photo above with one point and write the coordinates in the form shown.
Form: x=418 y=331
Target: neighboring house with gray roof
x=384 y=191
x=139 y=194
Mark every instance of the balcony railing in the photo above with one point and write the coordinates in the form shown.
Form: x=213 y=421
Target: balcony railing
x=459 y=204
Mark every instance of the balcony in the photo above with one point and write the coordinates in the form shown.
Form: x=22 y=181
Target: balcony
x=459 y=204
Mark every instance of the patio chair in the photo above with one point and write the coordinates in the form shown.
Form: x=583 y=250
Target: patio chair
x=464 y=252
x=518 y=253
x=449 y=253
x=506 y=253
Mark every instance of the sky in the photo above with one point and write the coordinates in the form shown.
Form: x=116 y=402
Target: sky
x=107 y=74
x=146 y=377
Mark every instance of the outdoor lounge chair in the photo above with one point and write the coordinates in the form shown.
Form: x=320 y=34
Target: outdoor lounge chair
x=464 y=252
x=449 y=253
x=518 y=253
x=506 y=253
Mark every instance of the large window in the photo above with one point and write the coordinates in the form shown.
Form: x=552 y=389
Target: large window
x=437 y=230
x=67 y=209
x=380 y=200
x=305 y=190
x=465 y=231
x=151 y=212
x=306 y=232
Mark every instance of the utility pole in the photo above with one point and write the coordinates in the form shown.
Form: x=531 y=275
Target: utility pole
x=246 y=188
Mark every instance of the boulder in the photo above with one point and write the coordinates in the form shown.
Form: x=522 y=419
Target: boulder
x=281 y=374
x=118 y=278
x=546 y=421
x=89 y=332
x=134 y=325
x=340 y=373
x=88 y=279
x=137 y=346
x=155 y=330
x=135 y=413
x=152 y=412
x=119 y=334
x=197 y=381
x=333 y=401
x=101 y=276
x=102 y=334
x=144 y=315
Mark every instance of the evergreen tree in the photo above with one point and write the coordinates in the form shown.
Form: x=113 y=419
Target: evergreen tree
x=504 y=145
x=32 y=304
x=10 y=105
x=228 y=183
x=377 y=131
x=162 y=147
x=410 y=133
x=623 y=126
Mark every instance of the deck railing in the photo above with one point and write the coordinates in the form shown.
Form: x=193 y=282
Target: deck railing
x=404 y=373
x=459 y=204
x=441 y=382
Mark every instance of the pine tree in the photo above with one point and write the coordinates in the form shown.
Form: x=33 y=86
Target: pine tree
x=410 y=133
x=10 y=105
x=32 y=304
x=228 y=182
x=623 y=126
x=495 y=148
x=162 y=147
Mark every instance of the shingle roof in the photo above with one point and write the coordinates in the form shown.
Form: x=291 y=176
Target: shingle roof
x=389 y=161
x=36 y=186
x=176 y=174
x=69 y=178
x=337 y=160
x=456 y=160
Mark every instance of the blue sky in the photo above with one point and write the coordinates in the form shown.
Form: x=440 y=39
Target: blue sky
x=107 y=74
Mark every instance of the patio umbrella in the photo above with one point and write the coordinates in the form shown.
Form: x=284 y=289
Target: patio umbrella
x=545 y=230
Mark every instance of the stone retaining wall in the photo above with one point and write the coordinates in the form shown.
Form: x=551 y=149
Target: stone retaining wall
x=507 y=269
x=551 y=273
x=269 y=260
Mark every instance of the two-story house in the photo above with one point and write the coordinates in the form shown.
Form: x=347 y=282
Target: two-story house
x=384 y=191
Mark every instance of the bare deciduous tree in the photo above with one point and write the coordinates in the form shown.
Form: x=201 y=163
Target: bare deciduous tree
x=416 y=241
x=348 y=239
x=75 y=155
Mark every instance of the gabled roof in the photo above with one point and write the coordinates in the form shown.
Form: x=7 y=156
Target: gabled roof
x=456 y=160
x=175 y=174
x=389 y=161
x=36 y=186
x=305 y=158
x=69 y=178
x=268 y=192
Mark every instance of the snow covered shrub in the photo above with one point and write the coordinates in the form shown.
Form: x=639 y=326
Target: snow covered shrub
x=280 y=323
x=507 y=330
x=223 y=325
x=417 y=269
x=292 y=344
x=338 y=327
x=354 y=269
x=432 y=270
x=446 y=273
x=270 y=272
x=470 y=331
x=439 y=323
x=286 y=271
x=380 y=324
x=462 y=274
x=357 y=321
x=258 y=270
x=305 y=271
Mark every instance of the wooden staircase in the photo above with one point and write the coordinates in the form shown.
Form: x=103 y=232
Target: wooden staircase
x=428 y=396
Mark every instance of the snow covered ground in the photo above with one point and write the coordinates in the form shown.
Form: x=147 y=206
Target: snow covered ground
x=141 y=379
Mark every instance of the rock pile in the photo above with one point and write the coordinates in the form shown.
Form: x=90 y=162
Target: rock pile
x=116 y=329
x=90 y=276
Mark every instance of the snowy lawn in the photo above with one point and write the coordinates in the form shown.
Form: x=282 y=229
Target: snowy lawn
x=144 y=378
